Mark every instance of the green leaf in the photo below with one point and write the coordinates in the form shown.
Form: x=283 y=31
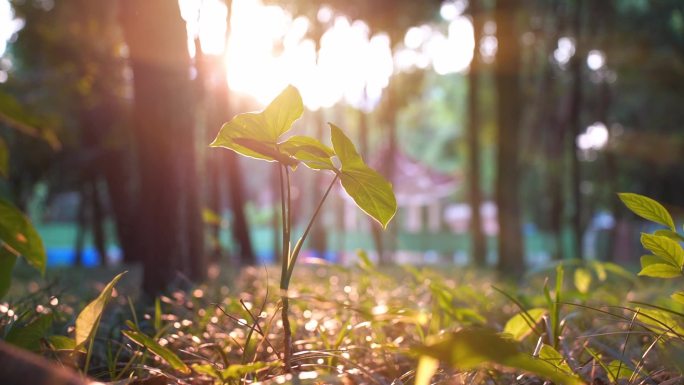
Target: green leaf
x=552 y=356
x=256 y=134
x=309 y=151
x=283 y=111
x=664 y=247
x=250 y=125
x=29 y=336
x=669 y=234
x=427 y=366
x=649 y=259
x=63 y=343
x=625 y=372
x=160 y=351
x=89 y=318
x=235 y=371
x=582 y=280
x=369 y=190
x=471 y=348
x=4 y=159
x=647 y=208
x=678 y=297
x=661 y=270
x=660 y=321
x=20 y=235
x=7 y=261
x=519 y=327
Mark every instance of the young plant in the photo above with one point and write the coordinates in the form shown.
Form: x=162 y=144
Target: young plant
x=259 y=135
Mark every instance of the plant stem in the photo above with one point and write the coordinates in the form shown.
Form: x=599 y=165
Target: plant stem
x=300 y=242
x=285 y=203
x=285 y=257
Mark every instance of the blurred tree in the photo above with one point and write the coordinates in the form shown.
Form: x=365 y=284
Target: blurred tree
x=163 y=122
x=507 y=77
x=477 y=236
x=68 y=66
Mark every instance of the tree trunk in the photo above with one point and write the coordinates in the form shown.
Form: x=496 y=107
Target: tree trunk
x=510 y=245
x=477 y=236
x=169 y=217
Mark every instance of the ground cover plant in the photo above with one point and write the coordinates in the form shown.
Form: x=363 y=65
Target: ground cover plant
x=571 y=323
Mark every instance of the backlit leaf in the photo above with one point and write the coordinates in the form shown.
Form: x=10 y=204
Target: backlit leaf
x=471 y=348
x=63 y=343
x=89 y=318
x=282 y=112
x=247 y=126
x=647 y=208
x=160 y=351
x=664 y=247
x=669 y=234
x=649 y=259
x=519 y=328
x=660 y=270
x=369 y=190
x=552 y=356
x=20 y=235
x=619 y=370
x=309 y=151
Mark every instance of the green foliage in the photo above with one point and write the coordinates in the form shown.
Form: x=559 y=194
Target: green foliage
x=471 y=348
x=667 y=258
x=647 y=208
x=522 y=324
x=233 y=372
x=153 y=346
x=89 y=318
x=28 y=336
x=258 y=135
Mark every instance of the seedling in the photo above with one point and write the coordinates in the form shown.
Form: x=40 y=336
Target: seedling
x=259 y=135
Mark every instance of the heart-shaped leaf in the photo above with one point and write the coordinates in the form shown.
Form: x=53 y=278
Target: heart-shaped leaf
x=256 y=134
x=283 y=111
x=19 y=234
x=369 y=190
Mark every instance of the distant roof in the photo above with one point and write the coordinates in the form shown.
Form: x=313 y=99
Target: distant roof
x=415 y=183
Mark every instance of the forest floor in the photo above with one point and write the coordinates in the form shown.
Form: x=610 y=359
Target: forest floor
x=370 y=325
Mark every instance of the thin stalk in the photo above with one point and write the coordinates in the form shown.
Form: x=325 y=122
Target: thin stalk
x=300 y=242
x=285 y=203
x=285 y=257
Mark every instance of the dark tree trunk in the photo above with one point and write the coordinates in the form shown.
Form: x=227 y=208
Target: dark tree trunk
x=98 y=218
x=169 y=218
x=477 y=236
x=237 y=202
x=510 y=245
x=318 y=238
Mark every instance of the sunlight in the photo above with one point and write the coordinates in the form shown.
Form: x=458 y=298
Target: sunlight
x=267 y=50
